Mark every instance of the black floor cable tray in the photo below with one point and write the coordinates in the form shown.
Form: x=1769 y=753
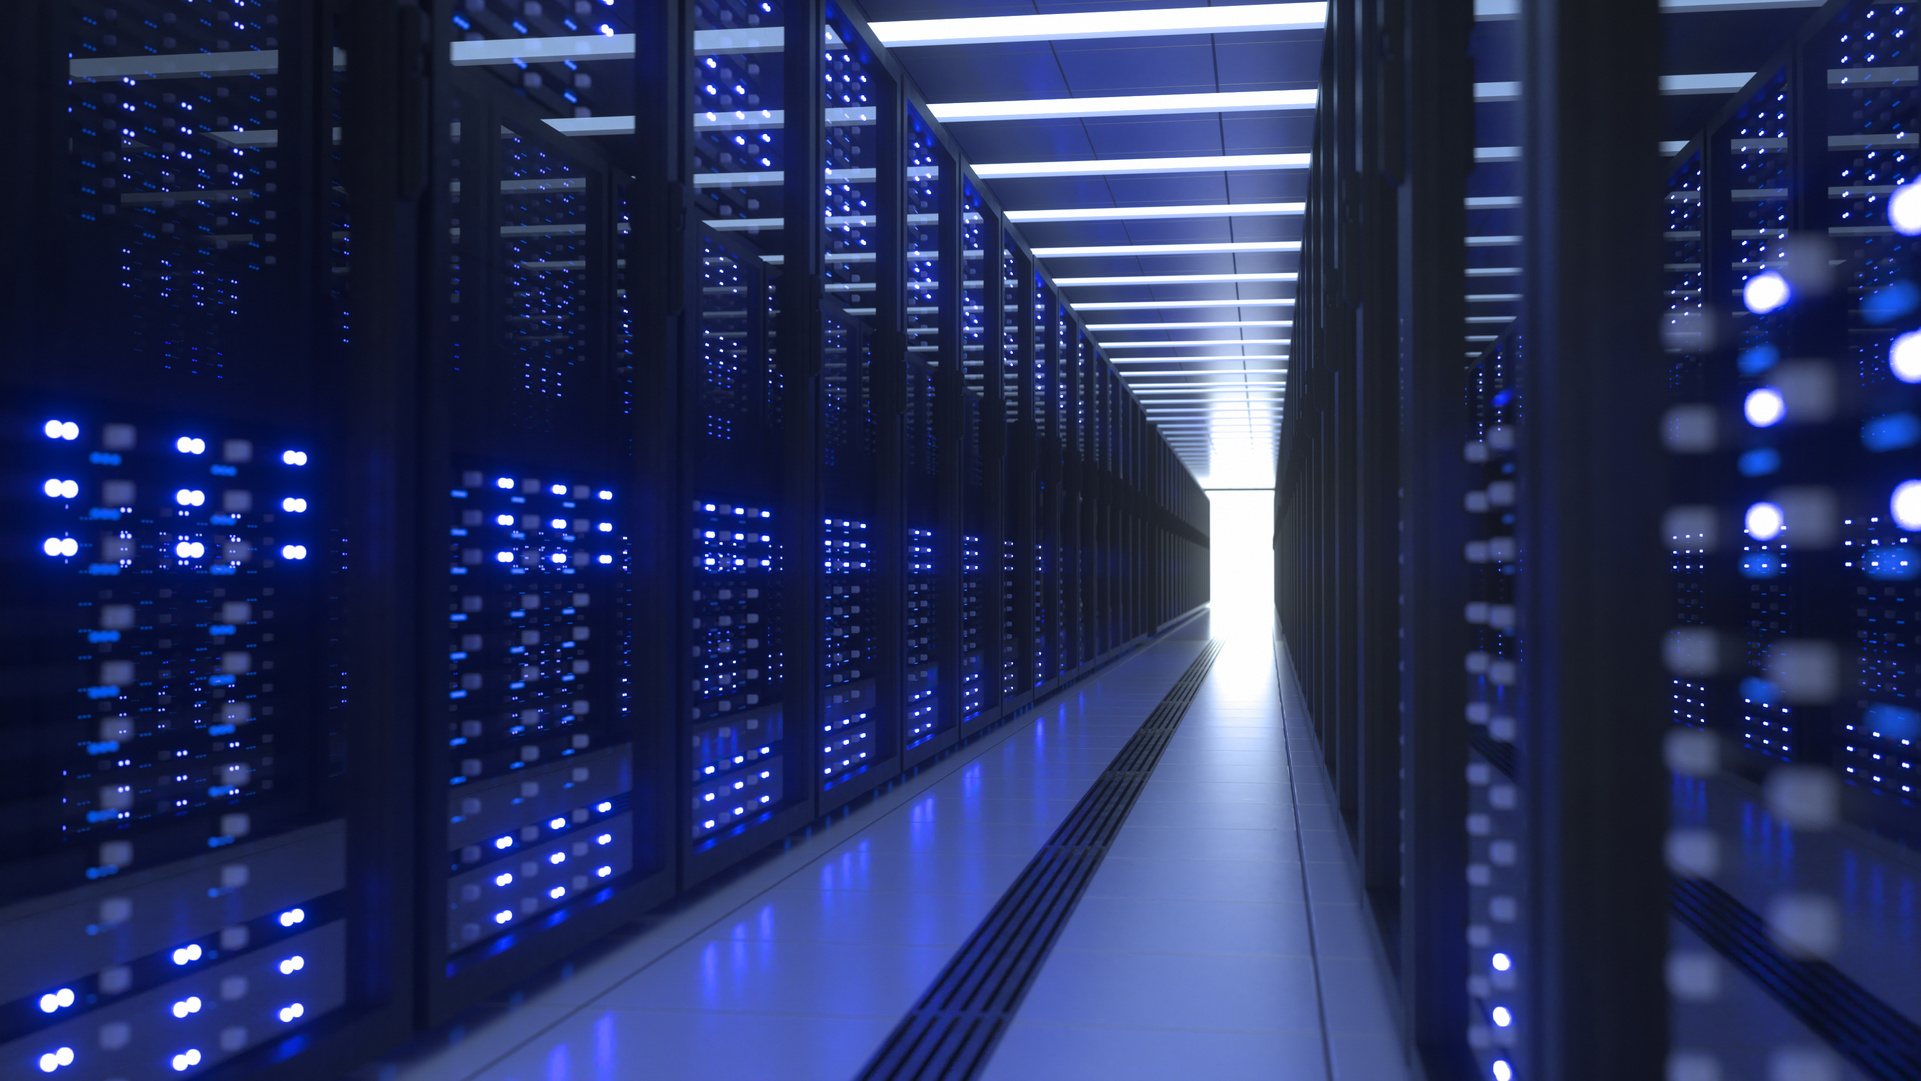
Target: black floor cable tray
x=952 y=1031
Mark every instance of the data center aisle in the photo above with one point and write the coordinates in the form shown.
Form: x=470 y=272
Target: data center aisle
x=1223 y=935
x=799 y=969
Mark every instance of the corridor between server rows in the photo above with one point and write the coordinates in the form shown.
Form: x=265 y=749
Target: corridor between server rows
x=1222 y=933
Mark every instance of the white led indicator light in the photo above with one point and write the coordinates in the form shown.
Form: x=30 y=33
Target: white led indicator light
x=1766 y=292
x=186 y=1006
x=62 y=429
x=186 y=1060
x=186 y=444
x=1905 y=505
x=53 y=1060
x=294 y=551
x=63 y=489
x=1764 y=407
x=292 y=1013
x=1502 y=962
x=293 y=916
x=503 y=916
x=292 y=965
x=60 y=546
x=294 y=457
x=1904 y=210
x=503 y=842
x=190 y=497
x=1765 y=521
x=294 y=505
x=56 y=1000
x=187 y=955
x=1904 y=356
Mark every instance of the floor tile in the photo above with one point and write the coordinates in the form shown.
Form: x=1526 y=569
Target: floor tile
x=1179 y=925
x=1175 y=991
x=1084 y=1053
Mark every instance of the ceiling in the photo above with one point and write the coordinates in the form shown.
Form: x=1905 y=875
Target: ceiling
x=1214 y=390
x=1208 y=359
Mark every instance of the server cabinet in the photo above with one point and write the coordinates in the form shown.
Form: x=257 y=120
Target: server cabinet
x=541 y=782
x=192 y=782
x=860 y=714
x=745 y=697
x=979 y=464
x=932 y=724
x=1047 y=485
x=1017 y=572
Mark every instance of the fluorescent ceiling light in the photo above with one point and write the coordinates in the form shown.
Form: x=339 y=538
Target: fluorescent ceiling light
x=1095 y=250
x=1223 y=163
x=1138 y=305
x=1719 y=82
x=1231 y=101
x=1082 y=25
x=1191 y=360
x=1492 y=271
x=1189 y=326
x=1148 y=213
x=1492 y=297
x=1132 y=373
x=576 y=47
x=1511 y=9
x=1199 y=344
x=1492 y=202
x=1493 y=241
x=1175 y=279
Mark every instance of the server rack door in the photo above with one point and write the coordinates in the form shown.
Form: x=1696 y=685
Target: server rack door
x=1046 y=488
x=748 y=771
x=1068 y=406
x=1792 y=369
x=196 y=879
x=529 y=774
x=930 y=725
x=1017 y=587
x=859 y=725
x=976 y=606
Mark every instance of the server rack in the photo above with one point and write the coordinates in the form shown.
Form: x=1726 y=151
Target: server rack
x=860 y=719
x=363 y=267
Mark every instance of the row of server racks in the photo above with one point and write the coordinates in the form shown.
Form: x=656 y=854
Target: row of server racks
x=1596 y=533
x=476 y=470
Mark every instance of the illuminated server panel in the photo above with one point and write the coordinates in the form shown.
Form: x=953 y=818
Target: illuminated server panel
x=738 y=740
x=1066 y=561
x=923 y=240
x=537 y=803
x=574 y=78
x=738 y=67
x=973 y=596
x=1494 y=823
x=1873 y=212
x=922 y=672
x=170 y=900
x=848 y=743
x=1046 y=434
x=1012 y=640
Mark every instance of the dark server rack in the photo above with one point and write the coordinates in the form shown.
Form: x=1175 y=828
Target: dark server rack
x=193 y=782
x=976 y=527
x=931 y=723
x=748 y=685
x=860 y=715
x=1017 y=573
x=1045 y=436
x=529 y=775
x=1793 y=302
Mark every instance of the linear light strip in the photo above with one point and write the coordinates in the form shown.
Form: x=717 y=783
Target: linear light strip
x=1197 y=344
x=1716 y=82
x=1231 y=101
x=1097 y=250
x=1489 y=10
x=1190 y=360
x=1151 y=213
x=1084 y=25
x=1175 y=279
x=1220 y=163
x=1189 y=326
x=1138 y=305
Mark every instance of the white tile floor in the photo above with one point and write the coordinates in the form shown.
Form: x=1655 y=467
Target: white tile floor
x=1222 y=937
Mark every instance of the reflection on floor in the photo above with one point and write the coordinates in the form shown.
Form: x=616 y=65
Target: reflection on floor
x=1222 y=936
